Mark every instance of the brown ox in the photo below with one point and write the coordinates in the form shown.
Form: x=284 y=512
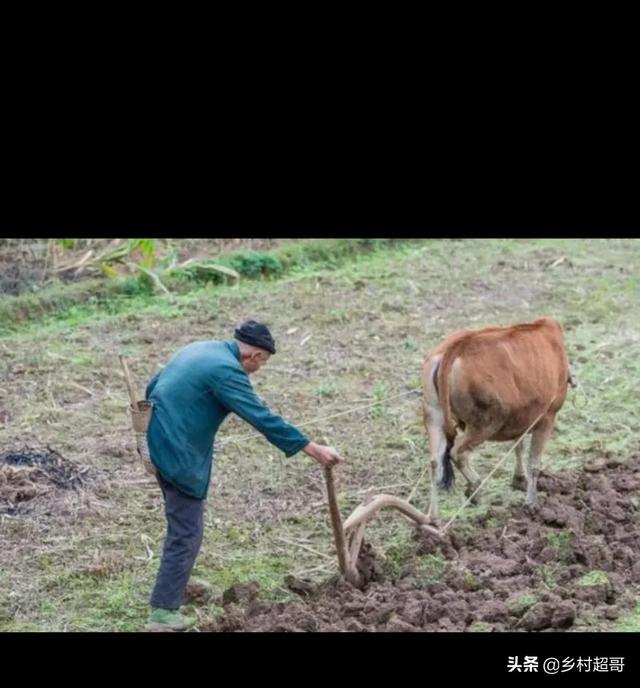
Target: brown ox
x=492 y=384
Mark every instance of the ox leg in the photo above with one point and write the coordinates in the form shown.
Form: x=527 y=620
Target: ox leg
x=460 y=454
x=539 y=438
x=519 y=480
x=434 y=425
x=438 y=444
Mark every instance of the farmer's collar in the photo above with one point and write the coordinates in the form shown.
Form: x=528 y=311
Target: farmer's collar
x=233 y=345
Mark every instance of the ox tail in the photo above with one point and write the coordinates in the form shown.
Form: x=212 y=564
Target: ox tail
x=442 y=378
x=445 y=477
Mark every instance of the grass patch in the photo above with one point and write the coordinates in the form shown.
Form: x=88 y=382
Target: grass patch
x=480 y=627
x=629 y=623
x=83 y=603
x=268 y=571
x=592 y=579
x=561 y=541
x=432 y=568
x=521 y=604
x=547 y=575
x=399 y=550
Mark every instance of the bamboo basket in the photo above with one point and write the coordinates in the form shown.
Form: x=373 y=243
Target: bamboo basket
x=140 y=418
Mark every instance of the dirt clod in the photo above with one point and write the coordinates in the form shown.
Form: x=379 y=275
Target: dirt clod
x=301 y=587
x=198 y=592
x=241 y=593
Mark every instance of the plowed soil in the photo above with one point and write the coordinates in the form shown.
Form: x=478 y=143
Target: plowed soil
x=565 y=565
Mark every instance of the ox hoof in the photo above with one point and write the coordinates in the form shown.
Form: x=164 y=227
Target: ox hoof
x=519 y=482
x=532 y=508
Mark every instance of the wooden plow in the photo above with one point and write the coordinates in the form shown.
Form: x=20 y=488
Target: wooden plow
x=349 y=535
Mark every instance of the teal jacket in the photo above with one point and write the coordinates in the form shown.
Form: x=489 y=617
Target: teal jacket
x=191 y=396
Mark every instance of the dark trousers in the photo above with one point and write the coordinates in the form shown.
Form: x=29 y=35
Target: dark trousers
x=185 y=525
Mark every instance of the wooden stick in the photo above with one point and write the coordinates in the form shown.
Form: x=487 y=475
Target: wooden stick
x=346 y=567
x=336 y=520
x=127 y=377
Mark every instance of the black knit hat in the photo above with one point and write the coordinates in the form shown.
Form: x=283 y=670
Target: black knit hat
x=256 y=334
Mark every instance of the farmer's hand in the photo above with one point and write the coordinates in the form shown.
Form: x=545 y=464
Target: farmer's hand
x=325 y=456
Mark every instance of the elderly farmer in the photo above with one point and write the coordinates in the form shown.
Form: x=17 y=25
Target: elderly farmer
x=191 y=396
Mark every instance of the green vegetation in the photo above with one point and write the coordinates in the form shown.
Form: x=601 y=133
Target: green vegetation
x=522 y=603
x=432 y=568
x=561 y=541
x=73 y=303
x=592 y=579
x=629 y=623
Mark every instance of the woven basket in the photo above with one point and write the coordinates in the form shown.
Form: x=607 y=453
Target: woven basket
x=140 y=417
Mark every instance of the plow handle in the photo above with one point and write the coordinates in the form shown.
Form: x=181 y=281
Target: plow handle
x=347 y=567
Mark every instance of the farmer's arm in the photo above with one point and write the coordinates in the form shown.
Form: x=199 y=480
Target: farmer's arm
x=234 y=391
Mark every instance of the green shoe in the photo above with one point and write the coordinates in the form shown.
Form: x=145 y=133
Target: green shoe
x=168 y=621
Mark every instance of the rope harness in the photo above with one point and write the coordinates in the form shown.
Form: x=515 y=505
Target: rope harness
x=242 y=438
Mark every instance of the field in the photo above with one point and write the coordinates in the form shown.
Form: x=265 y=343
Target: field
x=80 y=545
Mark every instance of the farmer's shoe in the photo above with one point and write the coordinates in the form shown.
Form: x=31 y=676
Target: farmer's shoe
x=169 y=621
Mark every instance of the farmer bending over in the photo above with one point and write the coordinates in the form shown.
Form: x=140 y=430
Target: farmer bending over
x=191 y=396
